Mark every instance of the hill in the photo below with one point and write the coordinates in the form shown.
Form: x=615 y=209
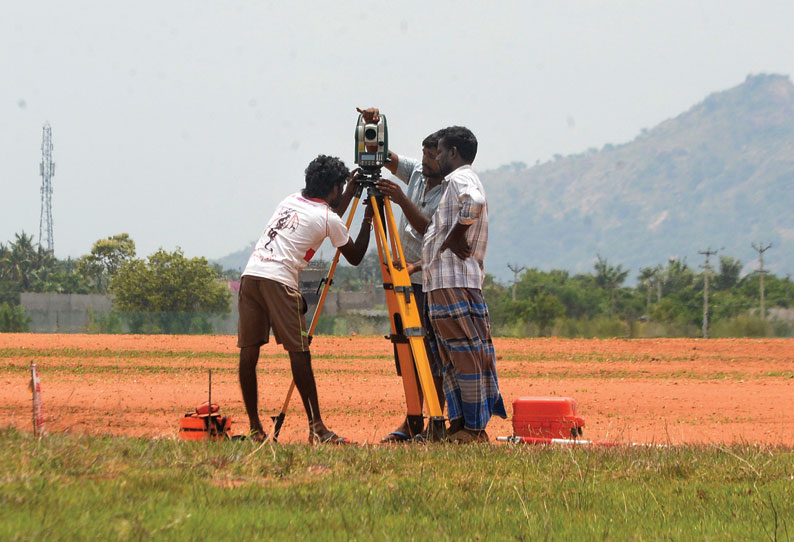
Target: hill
x=237 y=260
x=718 y=175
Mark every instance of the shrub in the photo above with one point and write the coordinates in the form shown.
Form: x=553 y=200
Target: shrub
x=104 y=323
x=745 y=325
x=13 y=318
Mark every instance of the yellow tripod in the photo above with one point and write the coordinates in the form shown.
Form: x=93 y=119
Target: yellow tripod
x=407 y=332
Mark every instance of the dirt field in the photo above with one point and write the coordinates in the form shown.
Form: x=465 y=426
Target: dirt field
x=667 y=390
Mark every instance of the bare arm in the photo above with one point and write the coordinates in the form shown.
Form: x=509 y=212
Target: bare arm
x=456 y=241
x=354 y=251
x=412 y=213
x=472 y=202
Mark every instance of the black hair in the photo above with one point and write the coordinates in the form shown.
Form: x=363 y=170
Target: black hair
x=462 y=139
x=322 y=174
x=431 y=141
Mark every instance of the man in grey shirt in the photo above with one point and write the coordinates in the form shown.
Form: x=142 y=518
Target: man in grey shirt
x=418 y=203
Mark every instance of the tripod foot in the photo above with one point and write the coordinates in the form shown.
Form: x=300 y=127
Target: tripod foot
x=415 y=423
x=437 y=429
x=278 y=421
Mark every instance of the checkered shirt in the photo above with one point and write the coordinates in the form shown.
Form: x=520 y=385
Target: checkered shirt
x=410 y=171
x=462 y=200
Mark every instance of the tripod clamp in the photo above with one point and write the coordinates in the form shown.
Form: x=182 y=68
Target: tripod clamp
x=406 y=290
x=322 y=282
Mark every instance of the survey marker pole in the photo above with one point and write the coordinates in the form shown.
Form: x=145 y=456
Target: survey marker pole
x=35 y=388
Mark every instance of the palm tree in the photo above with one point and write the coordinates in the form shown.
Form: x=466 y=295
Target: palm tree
x=26 y=264
x=22 y=260
x=609 y=277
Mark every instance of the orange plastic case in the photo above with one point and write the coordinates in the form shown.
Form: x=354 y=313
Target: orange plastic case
x=198 y=425
x=546 y=417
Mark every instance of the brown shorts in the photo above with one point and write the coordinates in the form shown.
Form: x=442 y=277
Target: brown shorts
x=265 y=304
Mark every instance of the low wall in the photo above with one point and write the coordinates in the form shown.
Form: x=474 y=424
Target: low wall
x=62 y=313
x=70 y=313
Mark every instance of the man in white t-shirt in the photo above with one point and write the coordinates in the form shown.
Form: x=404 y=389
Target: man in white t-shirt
x=269 y=297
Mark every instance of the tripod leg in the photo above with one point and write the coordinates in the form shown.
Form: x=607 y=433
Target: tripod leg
x=401 y=346
x=402 y=304
x=411 y=312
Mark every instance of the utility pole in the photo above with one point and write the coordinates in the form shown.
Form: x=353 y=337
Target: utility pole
x=708 y=253
x=516 y=270
x=47 y=170
x=760 y=248
x=658 y=270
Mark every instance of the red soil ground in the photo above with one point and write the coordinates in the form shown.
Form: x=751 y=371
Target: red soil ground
x=665 y=390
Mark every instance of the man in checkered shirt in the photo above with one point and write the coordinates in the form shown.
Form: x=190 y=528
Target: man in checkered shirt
x=453 y=251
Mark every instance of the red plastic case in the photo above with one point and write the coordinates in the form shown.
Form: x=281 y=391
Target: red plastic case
x=546 y=417
x=201 y=425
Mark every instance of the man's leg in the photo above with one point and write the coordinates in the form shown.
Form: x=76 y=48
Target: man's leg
x=249 y=356
x=302 y=373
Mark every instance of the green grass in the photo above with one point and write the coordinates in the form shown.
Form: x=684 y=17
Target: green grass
x=80 y=368
x=66 y=487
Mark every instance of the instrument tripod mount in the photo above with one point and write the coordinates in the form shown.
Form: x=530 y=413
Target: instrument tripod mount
x=407 y=332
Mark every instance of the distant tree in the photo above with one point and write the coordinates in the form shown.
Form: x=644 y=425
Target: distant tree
x=578 y=294
x=225 y=274
x=21 y=261
x=173 y=289
x=681 y=301
x=610 y=278
x=676 y=277
x=545 y=308
x=728 y=277
x=350 y=278
x=27 y=267
x=106 y=258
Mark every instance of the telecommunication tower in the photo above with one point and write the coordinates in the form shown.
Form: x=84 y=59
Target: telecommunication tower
x=47 y=169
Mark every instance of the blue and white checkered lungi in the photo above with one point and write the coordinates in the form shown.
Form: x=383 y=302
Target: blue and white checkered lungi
x=460 y=335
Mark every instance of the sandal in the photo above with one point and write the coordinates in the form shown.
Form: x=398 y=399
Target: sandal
x=328 y=438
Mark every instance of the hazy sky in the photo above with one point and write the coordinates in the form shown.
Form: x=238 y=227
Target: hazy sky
x=183 y=123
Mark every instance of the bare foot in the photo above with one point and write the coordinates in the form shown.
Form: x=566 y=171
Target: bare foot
x=257 y=435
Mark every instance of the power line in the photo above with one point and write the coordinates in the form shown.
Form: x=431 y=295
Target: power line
x=760 y=248
x=708 y=253
x=516 y=270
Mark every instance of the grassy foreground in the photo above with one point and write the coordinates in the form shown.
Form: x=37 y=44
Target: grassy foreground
x=66 y=487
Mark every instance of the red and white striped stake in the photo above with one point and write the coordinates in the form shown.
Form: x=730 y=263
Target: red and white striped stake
x=36 y=388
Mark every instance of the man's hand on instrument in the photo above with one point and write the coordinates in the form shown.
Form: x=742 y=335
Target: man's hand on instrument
x=392 y=191
x=354 y=178
x=371 y=115
x=413 y=267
